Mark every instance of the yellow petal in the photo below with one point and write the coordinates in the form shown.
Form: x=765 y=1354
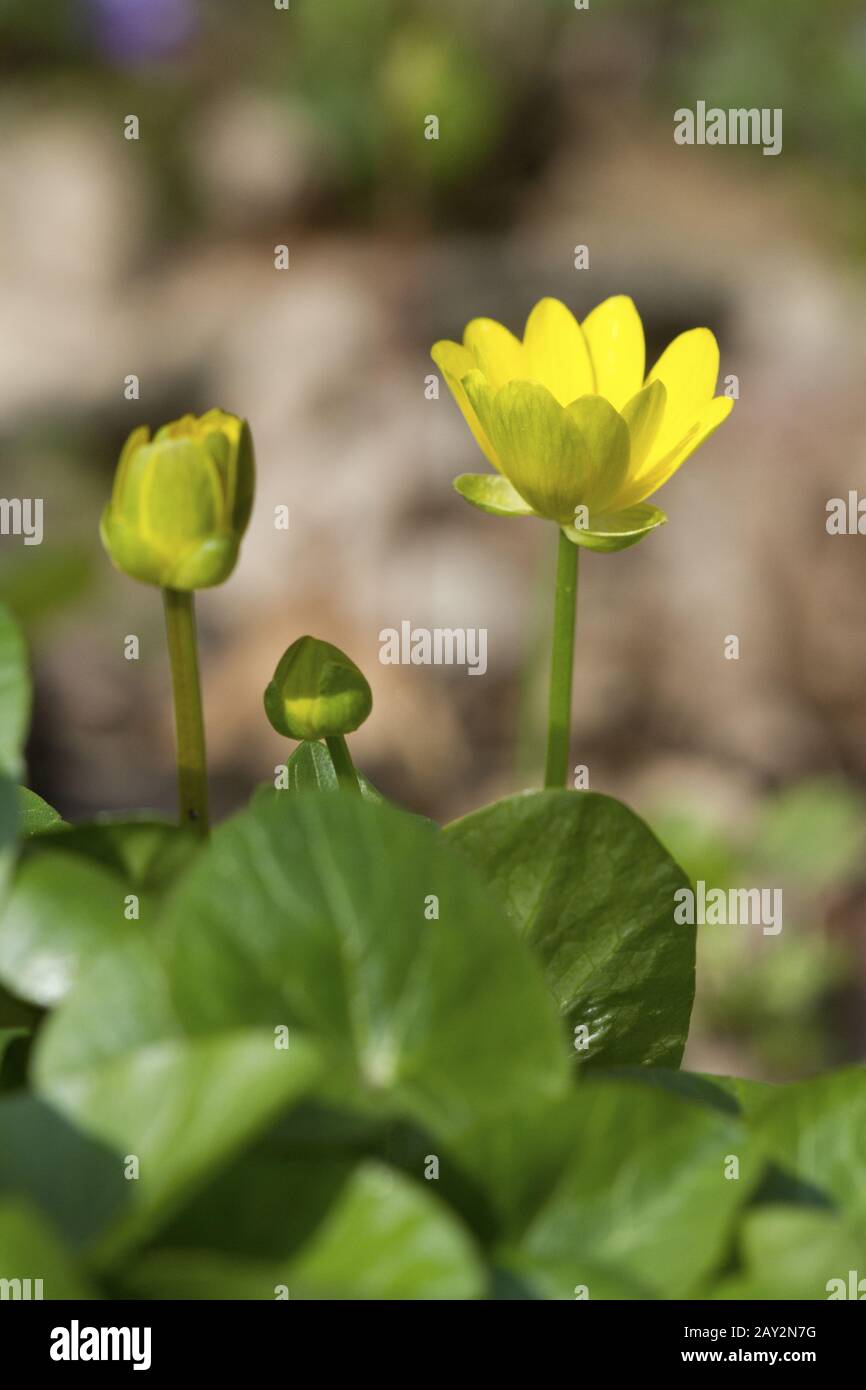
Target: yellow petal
x=135 y=440
x=659 y=471
x=454 y=362
x=614 y=334
x=540 y=448
x=496 y=351
x=605 y=434
x=643 y=414
x=689 y=368
x=556 y=351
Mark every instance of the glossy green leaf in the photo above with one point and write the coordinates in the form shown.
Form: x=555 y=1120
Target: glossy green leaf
x=71 y=898
x=116 y=1060
x=643 y=1198
x=362 y=930
x=382 y=1238
x=306 y=913
x=590 y=888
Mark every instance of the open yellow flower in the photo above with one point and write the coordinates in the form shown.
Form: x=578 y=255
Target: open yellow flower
x=576 y=432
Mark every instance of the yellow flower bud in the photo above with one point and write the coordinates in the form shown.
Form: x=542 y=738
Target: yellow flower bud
x=317 y=692
x=181 y=501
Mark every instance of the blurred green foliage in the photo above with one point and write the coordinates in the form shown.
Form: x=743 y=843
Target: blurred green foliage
x=771 y=993
x=499 y=78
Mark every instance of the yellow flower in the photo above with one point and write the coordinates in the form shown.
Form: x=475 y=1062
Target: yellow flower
x=576 y=433
x=181 y=501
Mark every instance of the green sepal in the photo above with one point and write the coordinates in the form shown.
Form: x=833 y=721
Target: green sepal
x=618 y=531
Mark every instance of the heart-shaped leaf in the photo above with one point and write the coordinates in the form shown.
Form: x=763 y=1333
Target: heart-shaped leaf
x=81 y=890
x=117 y=1062
x=591 y=889
x=647 y=1198
x=353 y=923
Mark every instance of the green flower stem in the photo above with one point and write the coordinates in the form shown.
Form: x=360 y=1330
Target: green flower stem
x=188 y=719
x=343 y=765
x=559 y=706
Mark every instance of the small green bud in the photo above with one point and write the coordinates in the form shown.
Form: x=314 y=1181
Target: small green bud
x=317 y=692
x=181 y=501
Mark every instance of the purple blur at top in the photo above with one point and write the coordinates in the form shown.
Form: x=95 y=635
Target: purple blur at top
x=138 y=31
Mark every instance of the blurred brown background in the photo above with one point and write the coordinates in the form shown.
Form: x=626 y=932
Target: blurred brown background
x=305 y=127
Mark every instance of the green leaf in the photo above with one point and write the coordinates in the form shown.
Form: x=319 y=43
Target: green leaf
x=77 y=1183
x=117 y=1062
x=70 y=894
x=386 y=1238
x=310 y=769
x=14 y=695
x=30 y=1251
x=590 y=888
x=265 y=1204
x=142 y=850
x=730 y=1094
x=791 y=1252
x=643 y=1199
x=816 y=1132
x=315 y=912
x=306 y=913
x=382 y=1238
x=35 y=815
